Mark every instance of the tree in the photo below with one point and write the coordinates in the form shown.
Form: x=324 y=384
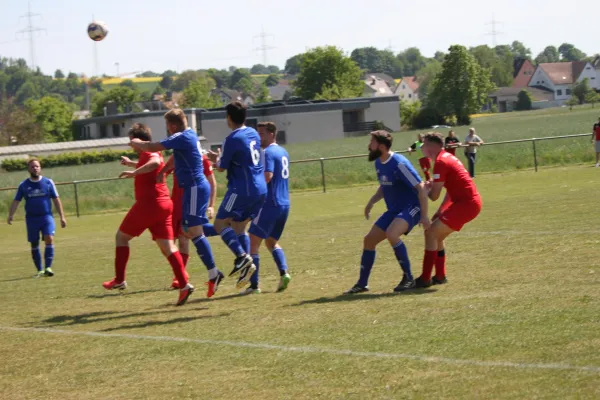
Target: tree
x=327 y=68
x=170 y=73
x=292 y=65
x=581 y=90
x=273 y=69
x=148 y=74
x=198 y=94
x=573 y=101
x=408 y=112
x=439 y=56
x=498 y=60
x=58 y=74
x=524 y=100
x=122 y=96
x=519 y=50
x=18 y=124
x=272 y=80
x=237 y=76
x=592 y=98
x=335 y=92
x=221 y=77
x=263 y=94
x=412 y=60
x=568 y=52
x=166 y=82
x=462 y=86
x=27 y=91
x=549 y=55
x=371 y=59
x=185 y=78
x=128 y=83
x=259 y=69
x=53 y=116
x=244 y=85
x=425 y=77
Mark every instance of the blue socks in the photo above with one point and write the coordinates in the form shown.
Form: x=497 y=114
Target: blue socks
x=231 y=240
x=254 y=277
x=279 y=258
x=209 y=230
x=244 y=240
x=366 y=264
x=48 y=255
x=37 y=256
x=204 y=251
x=402 y=257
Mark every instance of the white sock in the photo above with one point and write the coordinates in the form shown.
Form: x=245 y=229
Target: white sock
x=213 y=273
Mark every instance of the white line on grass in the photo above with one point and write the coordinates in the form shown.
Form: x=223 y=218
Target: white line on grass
x=308 y=349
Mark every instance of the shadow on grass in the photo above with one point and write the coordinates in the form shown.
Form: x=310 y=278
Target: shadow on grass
x=124 y=293
x=221 y=298
x=168 y=322
x=17 y=279
x=362 y=296
x=101 y=316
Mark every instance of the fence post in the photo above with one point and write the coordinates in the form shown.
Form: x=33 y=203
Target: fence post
x=321 y=160
x=535 y=163
x=76 y=198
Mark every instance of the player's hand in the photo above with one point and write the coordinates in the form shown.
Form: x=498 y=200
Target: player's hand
x=425 y=222
x=63 y=222
x=213 y=156
x=210 y=212
x=9 y=220
x=125 y=160
x=127 y=174
x=368 y=209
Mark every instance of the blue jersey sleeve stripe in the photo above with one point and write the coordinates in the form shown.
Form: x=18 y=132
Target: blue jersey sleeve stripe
x=55 y=192
x=408 y=175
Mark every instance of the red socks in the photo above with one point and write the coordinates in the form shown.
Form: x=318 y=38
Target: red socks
x=121 y=258
x=178 y=268
x=428 y=263
x=440 y=265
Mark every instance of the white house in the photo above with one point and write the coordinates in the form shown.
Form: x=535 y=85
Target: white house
x=376 y=87
x=560 y=77
x=408 y=89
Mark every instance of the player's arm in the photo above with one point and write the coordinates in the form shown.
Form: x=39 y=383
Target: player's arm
x=12 y=211
x=436 y=190
x=212 y=181
x=126 y=161
x=421 y=189
x=223 y=158
x=150 y=166
x=373 y=200
x=150 y=147
x=61 y=212
x=166 y=170
x=269 y=166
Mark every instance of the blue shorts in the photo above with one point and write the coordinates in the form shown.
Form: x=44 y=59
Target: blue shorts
x=195 y=203
x=411 y=214
x=270 y=222
x=35 y=225
x=240 y=208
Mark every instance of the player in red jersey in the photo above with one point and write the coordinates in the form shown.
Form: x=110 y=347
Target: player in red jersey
x=177 y=198
x=424 y=162
x=152 y=210
x=461 y=205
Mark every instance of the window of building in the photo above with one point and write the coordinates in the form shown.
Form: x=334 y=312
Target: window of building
x=568 y=92
x=559 y=92
x=116 y=128
x=409 y=95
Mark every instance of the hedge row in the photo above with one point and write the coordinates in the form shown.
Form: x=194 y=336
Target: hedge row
x=67 y=159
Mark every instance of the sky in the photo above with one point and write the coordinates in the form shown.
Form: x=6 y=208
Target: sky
x=198 y=34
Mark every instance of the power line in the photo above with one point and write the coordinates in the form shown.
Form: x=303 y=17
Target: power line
x=264 y=48
x=494 y=33
x=29 y=30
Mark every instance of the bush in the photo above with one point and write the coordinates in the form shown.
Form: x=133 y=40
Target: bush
x=524 y=101
x=427 y=117
x=66 y=159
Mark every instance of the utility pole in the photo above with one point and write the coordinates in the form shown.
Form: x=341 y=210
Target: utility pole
x=494 y=33
x=117 y=65
x=264 y=48
x=30 y=31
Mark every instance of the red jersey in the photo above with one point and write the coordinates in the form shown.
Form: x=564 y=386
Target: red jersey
x=147 y=190
x=449 y=170
x=597 y=131
x=178 y=192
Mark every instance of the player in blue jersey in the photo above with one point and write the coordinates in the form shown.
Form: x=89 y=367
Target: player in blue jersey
x=246 y=188
x=270 y=221
x=406 y=199
x=39 y=193
x=187 y=155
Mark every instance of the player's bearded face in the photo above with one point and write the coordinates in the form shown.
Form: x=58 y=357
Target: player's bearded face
x=374 y=154
x=34 y=169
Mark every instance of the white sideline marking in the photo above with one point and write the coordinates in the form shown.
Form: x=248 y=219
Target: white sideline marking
x=308 y=349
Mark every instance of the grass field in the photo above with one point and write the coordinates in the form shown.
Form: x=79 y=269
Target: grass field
x=519 y=318
x=343 y=173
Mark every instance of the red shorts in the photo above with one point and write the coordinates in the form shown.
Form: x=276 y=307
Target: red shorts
x=177 y=218
x=425 y=164
x=154 y=217
x=456 y=215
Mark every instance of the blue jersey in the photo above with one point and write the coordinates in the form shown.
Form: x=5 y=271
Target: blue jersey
x=241 y=158
x=37 y=196
x=188 y=157
x=398 y=179
x=277 y=161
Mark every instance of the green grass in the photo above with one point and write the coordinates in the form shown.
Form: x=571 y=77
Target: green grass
x=342 y=173
x=524 y=288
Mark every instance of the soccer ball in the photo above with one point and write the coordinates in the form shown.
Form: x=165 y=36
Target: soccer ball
x=97 y=31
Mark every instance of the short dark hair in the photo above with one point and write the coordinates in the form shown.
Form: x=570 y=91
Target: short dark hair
x=236 y=111
x=434 y=137
x=32 y=160
x=140 y=131
x=269 y=126
x=177 y=116
x=383 y=137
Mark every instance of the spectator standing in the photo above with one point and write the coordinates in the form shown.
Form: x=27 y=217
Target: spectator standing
x=451 y=142
x=596 y=139
x=472 y=141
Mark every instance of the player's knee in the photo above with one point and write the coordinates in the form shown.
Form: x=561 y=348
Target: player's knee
x=35 y=245
x=271 y=244
x=369 y=242
x=49 y=239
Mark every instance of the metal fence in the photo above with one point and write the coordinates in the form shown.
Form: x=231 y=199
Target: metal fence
x=322 y=161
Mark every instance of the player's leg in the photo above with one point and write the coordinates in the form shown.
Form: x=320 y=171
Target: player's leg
x=255 y=242
x=171 y=252
x=33 y=237
x=394 y=232
x=438 y=232
x=272 y=244
x=48 y=230
x=375 y=236
x=223 y=225
x=195 y=203
x=249 y=209
x=209 y=230
x=440 y=265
